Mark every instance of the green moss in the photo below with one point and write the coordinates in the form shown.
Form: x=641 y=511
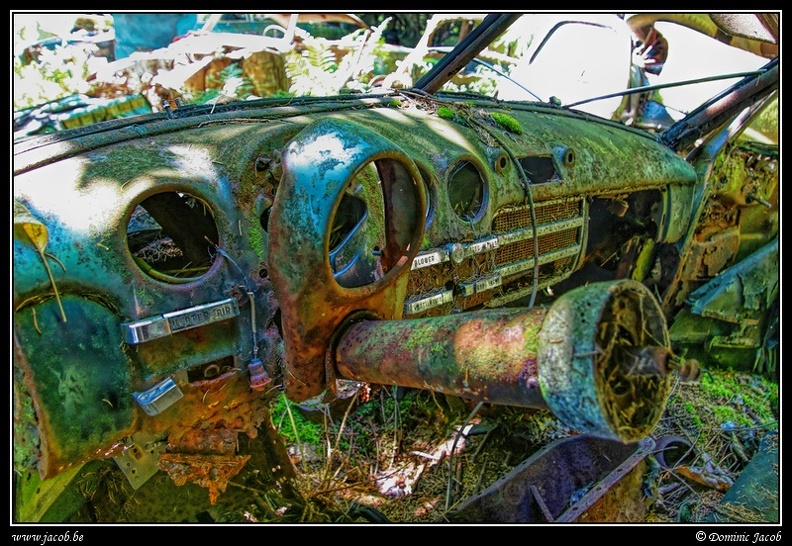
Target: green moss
x=303 y=431
x=256 y=241
x=419 y=338
x=724 y=414
x=693 y=412
x=772 y=387
x=507 y=122
x=730 y=394
x=531 y=343
x=716 y=386
x=445 y=112
x=439 y=353
x=395 y=103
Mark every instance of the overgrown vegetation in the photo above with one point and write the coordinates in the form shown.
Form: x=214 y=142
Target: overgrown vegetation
x=318 y=70
x=401 y=456
x=58 y=73
x=355 y=63
x=230 y=84
x=723 y=416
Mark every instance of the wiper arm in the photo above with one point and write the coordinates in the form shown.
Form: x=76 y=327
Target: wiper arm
x=723 y=107
x=645 y=88
x=504 y=75
x=490 y=66
x=466 y=50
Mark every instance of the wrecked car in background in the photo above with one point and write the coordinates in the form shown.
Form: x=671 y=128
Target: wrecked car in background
x=174 y=272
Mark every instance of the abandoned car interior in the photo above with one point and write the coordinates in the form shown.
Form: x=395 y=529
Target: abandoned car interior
x=193 y=283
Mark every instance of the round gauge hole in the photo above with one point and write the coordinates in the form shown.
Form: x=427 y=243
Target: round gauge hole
x=466 y=191
x=172 y=236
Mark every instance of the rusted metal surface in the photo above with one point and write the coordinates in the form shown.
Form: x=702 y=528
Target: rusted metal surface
x=617 y=507
x=723 y=296
x=738 y=212
x=730 y=319
x=201 y=260
x=577 y=479
x=175 y=272
x=219 y=440
x=741 y=293
x=210 y=471
x=488 y=356
x=319 y=165
x=204 y=456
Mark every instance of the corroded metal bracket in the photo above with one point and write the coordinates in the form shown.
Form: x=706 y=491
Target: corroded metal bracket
x=140 y=458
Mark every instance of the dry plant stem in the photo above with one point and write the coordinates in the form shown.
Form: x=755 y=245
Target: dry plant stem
x=338 y=440
x=35 y=321
x=296 y=434
x=396 y=424
x=55 y=259
x=480 y=476
x=328 y=423
x=259 y=498
x=451 y=455
x=264 y=506
x=434 y=399
x=481 y=445
x=52 y=282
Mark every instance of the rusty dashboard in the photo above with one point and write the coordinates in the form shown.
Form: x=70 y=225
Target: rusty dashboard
x=173 y=274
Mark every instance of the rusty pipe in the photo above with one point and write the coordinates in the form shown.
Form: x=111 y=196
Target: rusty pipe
x=595 y=357
x=486 y=355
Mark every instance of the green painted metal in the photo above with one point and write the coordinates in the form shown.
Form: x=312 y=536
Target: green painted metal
x=79 y=378
x=319 y=164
